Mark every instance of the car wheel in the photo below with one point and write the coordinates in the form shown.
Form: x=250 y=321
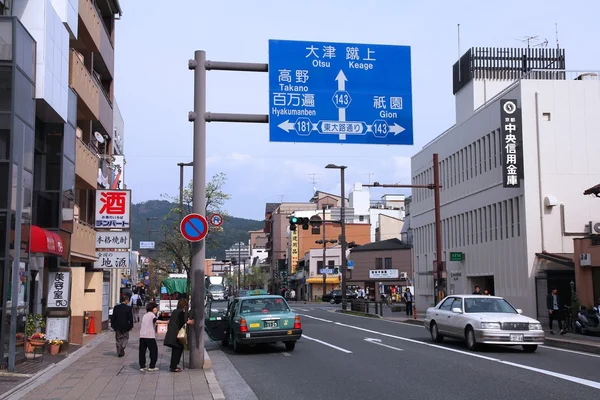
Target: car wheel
x=290 y=346
x=530 y=348
x=470 y=339
x=225 y=341
x=237 y=347
x=332 y=301
x=435 y=333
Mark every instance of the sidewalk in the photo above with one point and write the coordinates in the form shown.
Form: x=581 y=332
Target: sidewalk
x=95 y=372
x=570 y=341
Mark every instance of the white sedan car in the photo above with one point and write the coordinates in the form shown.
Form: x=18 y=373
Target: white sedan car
x=479 y=319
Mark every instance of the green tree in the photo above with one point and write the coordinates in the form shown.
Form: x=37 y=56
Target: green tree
x=172 y=247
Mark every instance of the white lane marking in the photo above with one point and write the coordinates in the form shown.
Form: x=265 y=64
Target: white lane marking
x=286 y=354
x=581 y=381
x=327 y=344
x=421 y=326
x=318 y=319
x=378 y=342
x=581 y=353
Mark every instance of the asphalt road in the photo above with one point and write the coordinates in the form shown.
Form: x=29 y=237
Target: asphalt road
x=342 y=356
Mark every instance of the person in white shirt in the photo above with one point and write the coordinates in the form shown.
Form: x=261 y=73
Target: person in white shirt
x=136 y=302
x=148 y=338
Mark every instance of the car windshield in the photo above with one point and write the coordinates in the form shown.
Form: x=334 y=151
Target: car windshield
x=216 y=288
x=264 y=305
x=488 y=305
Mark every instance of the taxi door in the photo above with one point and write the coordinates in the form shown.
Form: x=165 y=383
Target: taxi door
x=216 y=320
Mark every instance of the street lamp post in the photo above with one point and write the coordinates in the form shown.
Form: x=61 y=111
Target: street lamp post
x=181 y=165
x=343 y=243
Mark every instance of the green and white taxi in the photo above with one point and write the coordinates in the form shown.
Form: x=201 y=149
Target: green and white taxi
x=253 y=317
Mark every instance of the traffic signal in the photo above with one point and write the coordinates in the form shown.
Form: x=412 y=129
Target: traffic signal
x=293 y=222
x=305 y=222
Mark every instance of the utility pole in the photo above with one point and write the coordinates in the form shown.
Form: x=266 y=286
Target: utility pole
x=239 y=262
x=324 y=253
x=198 y=251
x=439 y=279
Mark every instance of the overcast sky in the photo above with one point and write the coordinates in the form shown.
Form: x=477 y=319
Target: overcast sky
x=154 y=87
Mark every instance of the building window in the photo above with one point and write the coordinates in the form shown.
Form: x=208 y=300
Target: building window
x=319 y=265
x=315 y=229
x=388 y=263
x=361 y=218
x=378 y=263
x=331 y=263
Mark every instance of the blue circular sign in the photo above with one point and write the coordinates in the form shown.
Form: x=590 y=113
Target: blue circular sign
x=194 y=227
x=216 y=220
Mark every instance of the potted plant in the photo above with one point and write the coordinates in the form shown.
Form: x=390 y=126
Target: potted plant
x=55 y=346
x=20 y=339
x=38 y=339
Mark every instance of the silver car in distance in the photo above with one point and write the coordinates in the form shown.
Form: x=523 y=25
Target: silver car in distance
x=479 y=319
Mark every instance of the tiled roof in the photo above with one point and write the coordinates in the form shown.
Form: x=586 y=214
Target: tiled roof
x=389 y=244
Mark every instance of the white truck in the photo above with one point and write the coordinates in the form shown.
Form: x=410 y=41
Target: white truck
x=168 y=302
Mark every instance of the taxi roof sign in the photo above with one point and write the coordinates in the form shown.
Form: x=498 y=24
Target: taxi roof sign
x=255 y=292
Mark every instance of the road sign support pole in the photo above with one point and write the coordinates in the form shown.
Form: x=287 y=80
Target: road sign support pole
x=198 y=254
x=324 y=254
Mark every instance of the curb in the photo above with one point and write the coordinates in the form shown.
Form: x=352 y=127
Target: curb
x=549 y=342
x=359 y=314
x=213 y=385
x=43 y=376
x=576 y=346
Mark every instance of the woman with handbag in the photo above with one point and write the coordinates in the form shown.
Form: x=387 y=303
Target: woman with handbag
x=176 y=337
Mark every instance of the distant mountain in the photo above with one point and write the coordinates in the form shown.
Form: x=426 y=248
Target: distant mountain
x=234 y=229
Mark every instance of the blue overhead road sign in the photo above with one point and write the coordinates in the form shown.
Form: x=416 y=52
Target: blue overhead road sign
x=340 y=93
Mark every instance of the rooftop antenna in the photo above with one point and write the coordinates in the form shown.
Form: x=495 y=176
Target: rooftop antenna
x=458 y=33
x=370 y=174
x=314 y=181
x=556 y=30
x=281 y=198
x=533 y=39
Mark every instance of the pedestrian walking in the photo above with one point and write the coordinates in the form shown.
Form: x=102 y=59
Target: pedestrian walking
x=173 y=338
x=555 y=305
x=136 y=303
x=408 y=298
x=148 y=338
x=122 y=324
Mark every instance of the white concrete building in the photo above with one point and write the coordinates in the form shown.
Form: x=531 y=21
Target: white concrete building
x=517 y=241
x=384 y=215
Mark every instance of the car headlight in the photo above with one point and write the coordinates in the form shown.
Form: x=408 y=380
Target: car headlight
x=490 y=325
x=535 y=326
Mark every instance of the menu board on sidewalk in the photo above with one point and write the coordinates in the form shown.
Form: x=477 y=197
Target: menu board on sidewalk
x=57 y=328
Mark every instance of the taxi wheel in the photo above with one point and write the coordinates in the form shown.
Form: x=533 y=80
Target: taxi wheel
x=290 y=346
x=237 y=347
x=225 y=341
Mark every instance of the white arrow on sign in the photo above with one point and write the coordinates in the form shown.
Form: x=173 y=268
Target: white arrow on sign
x=341 y=80
x=396 y=129
x=286 y=125
x=378 y=342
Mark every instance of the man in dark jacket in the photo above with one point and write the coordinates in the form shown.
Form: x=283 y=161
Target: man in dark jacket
x=122 y=323
x=554 y=304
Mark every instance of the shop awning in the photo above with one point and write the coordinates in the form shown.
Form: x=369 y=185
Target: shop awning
x=45 y=242
x=556 y=258
x=329 y=279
